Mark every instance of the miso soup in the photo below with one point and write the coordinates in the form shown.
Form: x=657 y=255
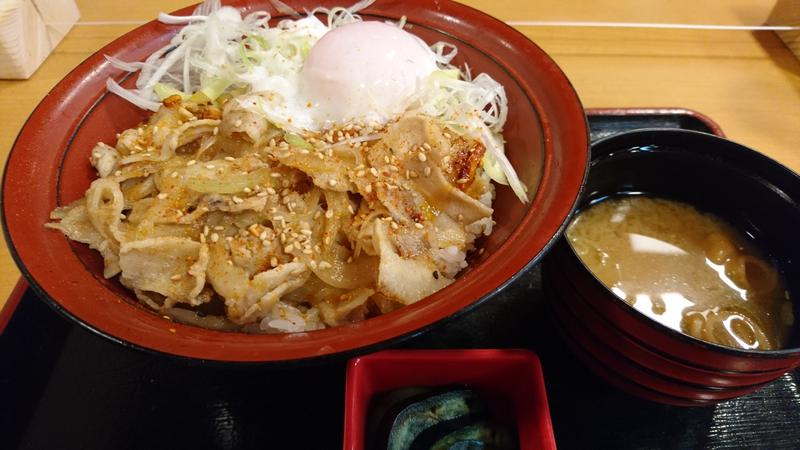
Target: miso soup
x=685 y=269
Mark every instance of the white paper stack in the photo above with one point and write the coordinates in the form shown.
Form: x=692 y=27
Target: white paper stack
x=29 y=31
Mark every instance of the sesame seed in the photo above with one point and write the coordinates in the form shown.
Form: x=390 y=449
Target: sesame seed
x=307 y=251
x=361 y=173
x=350 y=208
x=419 y=225
x=275 y=175
x=229 y=238
x=117 y=173
x=373 y=171
x=426 y=146
x=462 y=181
x=350 y=259
x=247 y=190
x=174 y=175
x=191 y=163
x=327 y=240
x=238 y=123
x=325 y=265
x=202 y=238
x=219 y=228
x=446 y=160
x=209 y=166
x=427 y=171
x=393 y=168
x=448 y=135
x=230 y=158
x=162 y=196
x=272 y=142
x=237 y=200
x=289 y=248
x=414 y=174
x=262 y=194
x=214 y=237
x=332 y=182
x=271 y=191
x=461 y=217
x=205 y=229
x=215 y=131
x=395 y=226
x=329 y=214
x=421 y=156
x=122 y=216
x=230 y=263
x=263 y=235
x=368 y=188
x=313 y=264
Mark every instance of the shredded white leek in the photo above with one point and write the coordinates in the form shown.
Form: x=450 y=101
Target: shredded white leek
x=220 y=52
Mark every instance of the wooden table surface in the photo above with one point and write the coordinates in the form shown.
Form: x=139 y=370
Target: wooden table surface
x=747 y=81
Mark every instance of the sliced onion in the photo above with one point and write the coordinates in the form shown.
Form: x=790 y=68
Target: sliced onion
x=122 y=65
x=178 y=20
x=131 y=96
x=496 y=150
x=283 y=8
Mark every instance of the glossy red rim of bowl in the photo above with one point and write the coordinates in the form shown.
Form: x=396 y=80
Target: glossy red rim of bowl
x=30 y=193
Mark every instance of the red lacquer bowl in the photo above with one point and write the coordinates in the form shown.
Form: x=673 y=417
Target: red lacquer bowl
x=547 y=143
x=511 y=382
x=755 y=194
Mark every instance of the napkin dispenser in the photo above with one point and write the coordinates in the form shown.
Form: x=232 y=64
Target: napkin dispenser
x=29 y=31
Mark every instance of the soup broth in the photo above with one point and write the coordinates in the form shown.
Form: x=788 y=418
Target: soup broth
x=685 y=269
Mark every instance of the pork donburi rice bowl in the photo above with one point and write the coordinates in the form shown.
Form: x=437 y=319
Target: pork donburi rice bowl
x=294 y=177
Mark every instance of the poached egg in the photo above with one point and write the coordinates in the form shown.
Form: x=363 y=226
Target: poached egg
x=365 y=72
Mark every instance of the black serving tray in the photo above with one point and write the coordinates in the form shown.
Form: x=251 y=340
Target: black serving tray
x=64 y=387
